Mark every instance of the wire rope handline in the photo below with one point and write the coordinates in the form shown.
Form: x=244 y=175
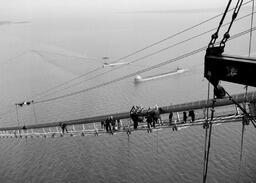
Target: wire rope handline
x=244 y=122
x=66 y=82
x=149 y=55
x=15 y=57
x=140 y=71
x=34 y=111
x=174 y=35
x=247 y=115
x=206 y=126
x=64 y=55
x=133 y=53
x=123 y=77
x=144 y=57
x=209 y=141
x=92 y=71
x=17 y=114
x=211 y=67
x=136 y=60
x=250 y=42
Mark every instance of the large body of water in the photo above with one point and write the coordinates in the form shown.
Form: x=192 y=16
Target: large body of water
x=162 y=156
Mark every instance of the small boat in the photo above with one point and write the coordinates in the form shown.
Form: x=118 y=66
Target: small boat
x=139 y=79
x=114 y=64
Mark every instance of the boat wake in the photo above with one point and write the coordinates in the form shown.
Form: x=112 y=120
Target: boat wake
x=139 y=79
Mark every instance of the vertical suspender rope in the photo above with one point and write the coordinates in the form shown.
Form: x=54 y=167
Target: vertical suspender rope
x=250 y=43
x=18 y=121
x=246 y=89
x=241 y=151
x=17 y=114
x=34 y=111
x=206 y=128
x=211 y=44
x=242 y=135
x=209 y=141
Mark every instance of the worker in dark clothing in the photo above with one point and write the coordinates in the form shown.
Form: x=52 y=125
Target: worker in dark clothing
x=192 y=115
x=107 y=122
x=170 y=118
x=108 y=125
x=63 y=127
x=118 y=124
x=149 y=120
x=134 y=114
x=184 y=117
x=103 y=126
x=113 y=123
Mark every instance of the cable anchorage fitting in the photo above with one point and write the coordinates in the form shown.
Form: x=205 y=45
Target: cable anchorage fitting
x=224 y=40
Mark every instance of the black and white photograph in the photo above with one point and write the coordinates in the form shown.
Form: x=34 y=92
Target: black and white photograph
x=127 y=91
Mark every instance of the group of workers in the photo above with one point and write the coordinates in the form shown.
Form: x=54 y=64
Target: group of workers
x=151 y=116
x=191 y=114
x=139 y=114
x=111 y=125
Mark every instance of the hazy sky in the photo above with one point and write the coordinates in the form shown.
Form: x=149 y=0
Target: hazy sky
x=62 y=8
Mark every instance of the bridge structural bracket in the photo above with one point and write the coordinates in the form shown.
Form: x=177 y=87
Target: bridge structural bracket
x=235 y=69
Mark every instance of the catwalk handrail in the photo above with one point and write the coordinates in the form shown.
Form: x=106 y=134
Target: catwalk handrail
x=201 y=104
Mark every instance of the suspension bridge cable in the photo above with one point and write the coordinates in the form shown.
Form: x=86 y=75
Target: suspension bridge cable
x=174 y=35
x=17 y=115
x=206 y=128
x=250 y=42
x=62 y=84
x=215 y=35
x=70 y=56
x=140 y=71
x=96 y=69
x=234 y=15
x=242 y=137
x=66 y=82
x=15 y=57
x=34 y=111
x=123 y=77
x=146 y=56
x=246 y=87
x=133 y=53
x=208 y=152
x=225 y=38
x=144 y=70
x=241 y=152
x=5 y=63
